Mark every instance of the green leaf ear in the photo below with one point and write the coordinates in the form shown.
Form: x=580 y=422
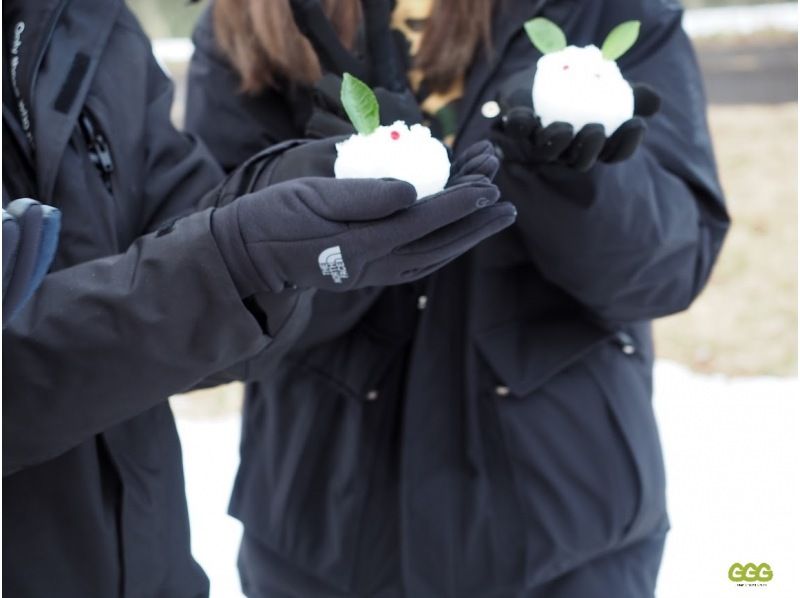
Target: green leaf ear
x=360 y=104
x=620 y=40
x=545 y=35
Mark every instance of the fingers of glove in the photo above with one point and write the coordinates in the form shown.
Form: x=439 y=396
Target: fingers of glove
x=440 y=210
x=464 y=236
x=48 y=242
x=456 y=238
x=507 y=149
x=11 y=238
x=475 y=149
x=585 y=148
x=552 y=141
x=519 y=123
x=623 y=143
x=646 y=101
x=19 y=207
x=312 y=159
x=479 y=158
x=357 y=200
x=29 y=217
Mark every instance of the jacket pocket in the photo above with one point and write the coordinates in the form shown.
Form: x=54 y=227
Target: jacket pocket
x=555 y=391
x=312 y=435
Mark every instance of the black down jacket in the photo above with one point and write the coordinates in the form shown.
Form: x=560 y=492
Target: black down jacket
x=93 y=495
x=488 y=432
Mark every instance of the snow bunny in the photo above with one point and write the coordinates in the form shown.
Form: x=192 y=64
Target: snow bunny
x=397 y=151
x=567 y=75
x=487 y=430
x=578 y=108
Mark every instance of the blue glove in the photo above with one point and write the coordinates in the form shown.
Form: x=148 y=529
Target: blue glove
x=30 y=238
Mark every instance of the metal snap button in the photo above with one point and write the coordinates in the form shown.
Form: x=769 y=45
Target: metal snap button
x=625 y=342
x=422 y=302
x=372 y=395
x=502 y=391
x=490 y=109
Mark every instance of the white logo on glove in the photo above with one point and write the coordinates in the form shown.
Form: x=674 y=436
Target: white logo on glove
x=331 y=263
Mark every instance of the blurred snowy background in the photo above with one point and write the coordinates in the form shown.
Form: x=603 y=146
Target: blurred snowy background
x=726 y=382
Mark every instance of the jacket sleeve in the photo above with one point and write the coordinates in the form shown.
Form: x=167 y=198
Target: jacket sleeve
x=634 y=240
x=107 y=339
x=240 y=128
x=104 y=340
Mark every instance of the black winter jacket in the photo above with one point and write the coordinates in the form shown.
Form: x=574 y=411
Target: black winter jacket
x=488 y=432
x=138 y=306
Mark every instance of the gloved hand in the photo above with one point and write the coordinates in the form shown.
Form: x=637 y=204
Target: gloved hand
x=344 y=234
x=310 y=159
x=479 y=159
x=520 y=137
x=30 y=238
x=316 y=159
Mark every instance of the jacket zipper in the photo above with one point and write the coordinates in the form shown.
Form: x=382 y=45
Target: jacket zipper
x=99 y=150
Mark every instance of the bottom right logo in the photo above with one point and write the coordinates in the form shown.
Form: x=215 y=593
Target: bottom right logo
x=750 y=573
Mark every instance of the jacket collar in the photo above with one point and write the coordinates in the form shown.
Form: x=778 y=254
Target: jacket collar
x=47 y=68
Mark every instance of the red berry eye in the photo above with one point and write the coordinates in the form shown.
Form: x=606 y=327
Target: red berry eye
x=395 y=135
x=565 y=67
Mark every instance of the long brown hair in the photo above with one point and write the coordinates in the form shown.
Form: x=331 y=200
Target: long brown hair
x=261 y=40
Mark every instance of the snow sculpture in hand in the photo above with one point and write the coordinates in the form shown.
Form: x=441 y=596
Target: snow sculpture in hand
x=581 y=85
x=397 y=151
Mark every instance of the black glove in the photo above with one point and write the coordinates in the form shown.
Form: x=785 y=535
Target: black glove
x=520 y=137
x=310 y=159
x=343 y=234
x=30 y=238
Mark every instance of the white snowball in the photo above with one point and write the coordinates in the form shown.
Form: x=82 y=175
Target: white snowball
x=398 y=152
x=579 y=86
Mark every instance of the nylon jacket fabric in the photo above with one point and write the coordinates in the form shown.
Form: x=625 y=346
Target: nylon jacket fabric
x=138 y=305
x=487 y=432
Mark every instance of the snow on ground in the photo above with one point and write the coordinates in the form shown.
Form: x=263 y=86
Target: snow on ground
x=732 y=448
x=210 y=459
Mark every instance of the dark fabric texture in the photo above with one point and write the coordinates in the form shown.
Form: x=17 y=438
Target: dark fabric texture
x=487 y=430
x=137 y=305
x=30 y=238
x=340 y=235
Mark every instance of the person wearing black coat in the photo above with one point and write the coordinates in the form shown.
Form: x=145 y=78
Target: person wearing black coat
x=166 y=277
x=486 y=431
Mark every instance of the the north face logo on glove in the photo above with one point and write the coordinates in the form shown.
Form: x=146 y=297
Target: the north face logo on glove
x=331 y=263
